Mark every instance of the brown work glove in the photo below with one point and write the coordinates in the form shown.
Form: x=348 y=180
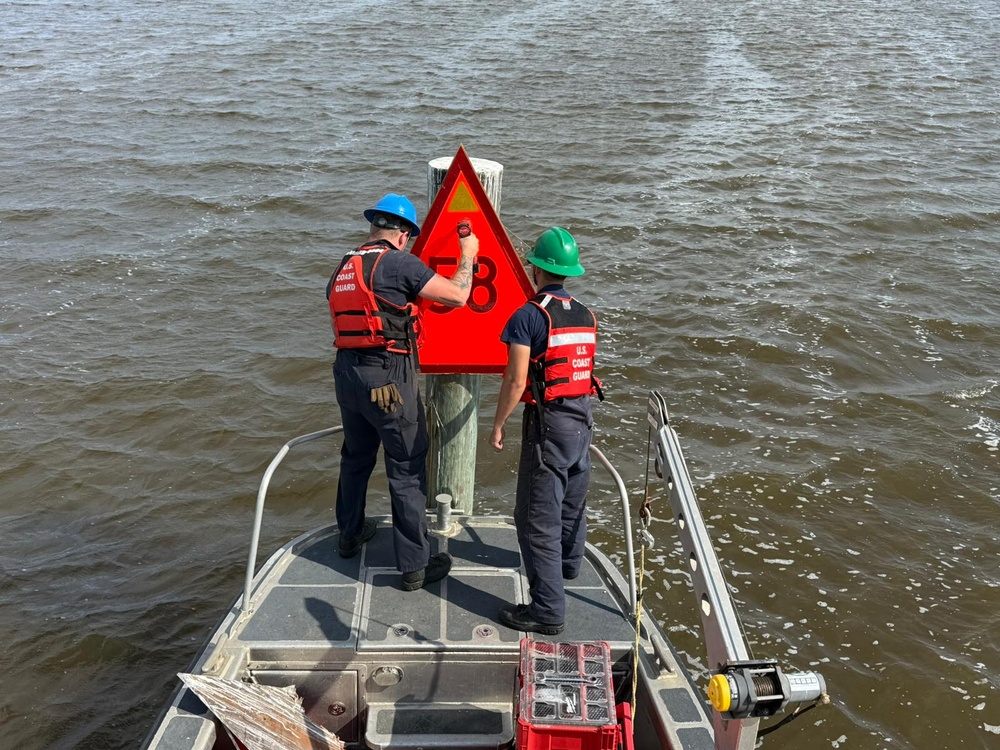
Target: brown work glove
x=387 y=397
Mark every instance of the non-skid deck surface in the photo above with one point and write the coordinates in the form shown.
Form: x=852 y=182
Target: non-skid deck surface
x=319 y=597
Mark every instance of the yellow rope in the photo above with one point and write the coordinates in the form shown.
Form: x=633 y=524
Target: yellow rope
x=642 y=576
x=638 y=622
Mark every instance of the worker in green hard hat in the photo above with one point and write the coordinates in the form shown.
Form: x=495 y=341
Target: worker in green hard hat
x=551 y=341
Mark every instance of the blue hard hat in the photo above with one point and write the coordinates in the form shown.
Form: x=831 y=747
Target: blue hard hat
x=395 y=205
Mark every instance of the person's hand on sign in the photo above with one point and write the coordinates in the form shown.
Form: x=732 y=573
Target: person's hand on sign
x=468 y=242
x=454 y=292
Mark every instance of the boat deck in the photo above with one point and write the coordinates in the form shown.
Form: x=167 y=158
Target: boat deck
x=384 y=668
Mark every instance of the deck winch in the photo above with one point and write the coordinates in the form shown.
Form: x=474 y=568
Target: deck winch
x=756 y=689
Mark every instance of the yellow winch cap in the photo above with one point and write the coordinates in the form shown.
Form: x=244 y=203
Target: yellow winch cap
x=719 y=693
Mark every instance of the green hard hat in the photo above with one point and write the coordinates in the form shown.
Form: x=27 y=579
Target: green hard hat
x=555 y=251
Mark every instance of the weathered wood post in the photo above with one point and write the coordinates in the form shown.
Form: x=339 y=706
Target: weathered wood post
x=453 y=400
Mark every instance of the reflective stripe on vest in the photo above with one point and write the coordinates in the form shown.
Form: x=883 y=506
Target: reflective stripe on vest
x=565 y=368
x=363 y=319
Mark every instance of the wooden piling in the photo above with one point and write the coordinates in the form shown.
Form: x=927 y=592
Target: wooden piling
x=453 y=400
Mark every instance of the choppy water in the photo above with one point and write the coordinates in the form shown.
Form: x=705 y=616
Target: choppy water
x=789 y=213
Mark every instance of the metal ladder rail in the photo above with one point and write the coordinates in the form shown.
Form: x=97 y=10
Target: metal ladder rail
x=723 y=635
x=720 y=625
x=742 y=690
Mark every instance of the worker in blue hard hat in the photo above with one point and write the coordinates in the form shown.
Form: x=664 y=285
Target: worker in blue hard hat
x=394 y=211
x=376 y=323
x=551 y=342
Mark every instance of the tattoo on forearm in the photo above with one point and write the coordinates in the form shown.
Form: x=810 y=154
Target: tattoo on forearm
x=463 y=276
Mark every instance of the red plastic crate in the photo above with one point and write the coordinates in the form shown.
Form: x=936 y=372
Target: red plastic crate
x=566 y=700
x=565 y=737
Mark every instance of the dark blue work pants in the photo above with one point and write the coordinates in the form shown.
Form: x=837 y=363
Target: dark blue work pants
x=550 y=512
x=403 y=437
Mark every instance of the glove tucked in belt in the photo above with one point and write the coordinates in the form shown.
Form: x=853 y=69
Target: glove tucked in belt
x=387 y=397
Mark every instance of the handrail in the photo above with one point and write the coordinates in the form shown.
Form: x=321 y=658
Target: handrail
x=265 y=481
x=632 y=588
x=259 y=515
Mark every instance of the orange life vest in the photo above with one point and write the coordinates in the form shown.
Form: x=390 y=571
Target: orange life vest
x=565 y=368
x=363 y=319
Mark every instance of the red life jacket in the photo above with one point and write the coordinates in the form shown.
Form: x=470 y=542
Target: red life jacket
x=565 y=368
x=363 y=319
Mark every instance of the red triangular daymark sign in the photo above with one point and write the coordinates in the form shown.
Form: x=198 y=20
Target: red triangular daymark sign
x=467 y=339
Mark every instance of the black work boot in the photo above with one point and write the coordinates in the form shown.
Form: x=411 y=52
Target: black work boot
x=437 y=568
x=516 y=616
x=350 y=546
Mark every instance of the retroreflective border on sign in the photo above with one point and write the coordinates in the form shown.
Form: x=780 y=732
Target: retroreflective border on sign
x=467 y=339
